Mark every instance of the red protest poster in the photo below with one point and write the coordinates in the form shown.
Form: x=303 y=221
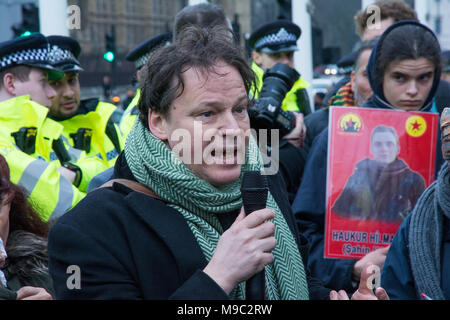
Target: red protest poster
x=379 y=163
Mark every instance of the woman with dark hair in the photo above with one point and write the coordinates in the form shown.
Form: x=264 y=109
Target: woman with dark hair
x=404 y=70
x=23 y=243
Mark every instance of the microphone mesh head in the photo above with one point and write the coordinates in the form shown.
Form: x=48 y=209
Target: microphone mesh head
x=254 y=191
x=254 y=179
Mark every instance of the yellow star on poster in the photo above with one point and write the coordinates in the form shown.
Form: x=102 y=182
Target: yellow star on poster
x=416 y=126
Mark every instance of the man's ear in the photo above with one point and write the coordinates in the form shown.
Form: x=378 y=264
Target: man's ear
x=157 y=125
x=138 y=75
x=9 y=83
x=256 y=56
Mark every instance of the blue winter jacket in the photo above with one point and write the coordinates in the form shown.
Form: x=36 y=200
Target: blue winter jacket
x=397 y=278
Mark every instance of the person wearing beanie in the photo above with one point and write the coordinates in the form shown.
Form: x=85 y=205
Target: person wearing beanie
x=273 y=43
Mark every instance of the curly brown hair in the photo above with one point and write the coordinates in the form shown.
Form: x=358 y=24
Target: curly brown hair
x=195 y=47
x=21 y=216
x=397 y=10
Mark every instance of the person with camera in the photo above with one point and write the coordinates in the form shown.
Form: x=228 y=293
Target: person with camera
x=273 y=43
x=279 y=84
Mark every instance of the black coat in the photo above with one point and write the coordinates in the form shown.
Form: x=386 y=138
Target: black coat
x=397 y=276
x=292 y=162
x=131 y=246
x=442 y=97
x=315 y=123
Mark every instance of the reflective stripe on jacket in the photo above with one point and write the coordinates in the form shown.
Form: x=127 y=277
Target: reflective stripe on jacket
x=130 y=115
x=50 y=194
x=92 y=124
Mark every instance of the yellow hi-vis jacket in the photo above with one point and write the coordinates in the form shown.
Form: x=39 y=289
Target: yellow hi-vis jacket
x=93 y=131
x=291 y=100
x=130 y=115
x=26 y=142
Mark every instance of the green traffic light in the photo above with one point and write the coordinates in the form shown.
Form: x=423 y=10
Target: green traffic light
x=26 y=34
x=109 y=56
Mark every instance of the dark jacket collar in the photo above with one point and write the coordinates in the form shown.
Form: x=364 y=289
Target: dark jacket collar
x=88 y=105
x=121 y=169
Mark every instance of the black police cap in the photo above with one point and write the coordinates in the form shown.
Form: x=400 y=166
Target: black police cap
x=64 y=53
x=32 y=50
x=348 y=60
x=145 y=49
x=277 y=36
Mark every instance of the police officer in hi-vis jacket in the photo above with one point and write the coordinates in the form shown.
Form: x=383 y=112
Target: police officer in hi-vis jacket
x=54 y=175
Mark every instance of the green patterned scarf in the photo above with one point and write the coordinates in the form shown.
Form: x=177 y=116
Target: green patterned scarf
x=152 y=164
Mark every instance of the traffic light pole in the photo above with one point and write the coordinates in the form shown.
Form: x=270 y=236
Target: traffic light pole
x=110 y=53
x=30 y=21
x=113 y=63
x=303 y=59
x=113 y=75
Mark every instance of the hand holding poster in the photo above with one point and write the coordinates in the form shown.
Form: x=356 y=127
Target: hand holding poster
x=379 y=163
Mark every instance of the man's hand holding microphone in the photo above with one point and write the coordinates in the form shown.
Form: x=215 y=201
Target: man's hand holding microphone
x=244 y=249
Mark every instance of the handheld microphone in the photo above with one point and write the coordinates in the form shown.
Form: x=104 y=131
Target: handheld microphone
x=254 y=192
